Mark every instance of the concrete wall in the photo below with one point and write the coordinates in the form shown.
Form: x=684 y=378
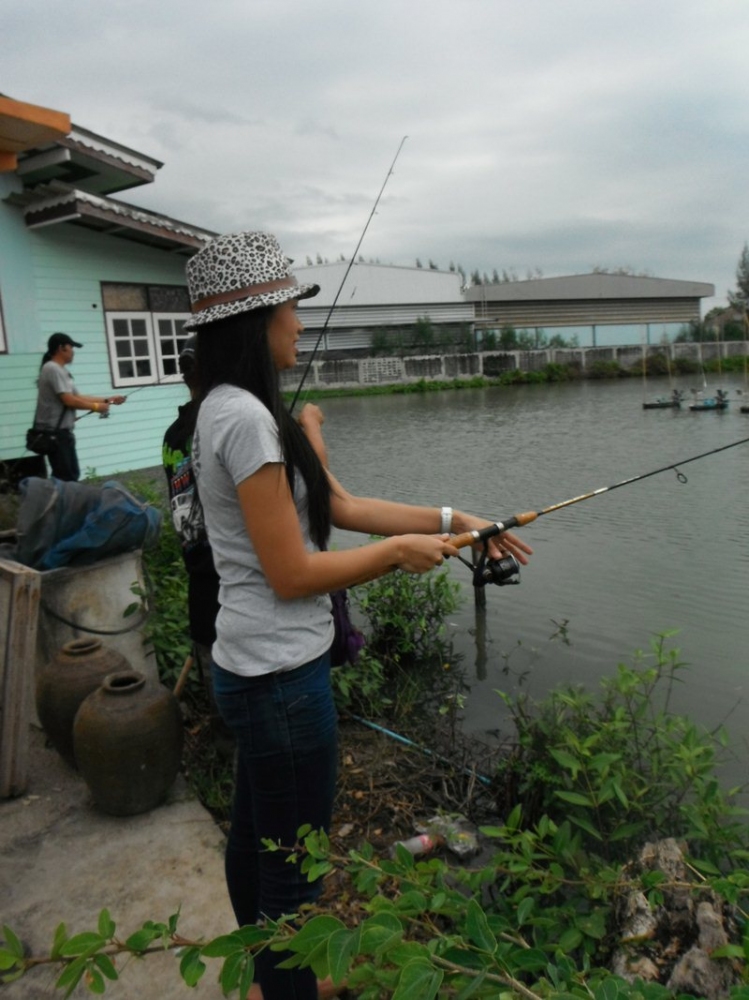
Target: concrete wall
x=351 y=372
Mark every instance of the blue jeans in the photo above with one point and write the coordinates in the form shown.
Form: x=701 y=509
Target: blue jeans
x=64 y=460
x=285 y=726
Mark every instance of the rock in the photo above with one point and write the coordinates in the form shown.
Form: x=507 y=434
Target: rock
x=672 y=943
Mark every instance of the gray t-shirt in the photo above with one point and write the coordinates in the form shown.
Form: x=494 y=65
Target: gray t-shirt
x=257 y=632
x=54 y=379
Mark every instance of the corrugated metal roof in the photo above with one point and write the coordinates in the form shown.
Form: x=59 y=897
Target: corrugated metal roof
x=379 y=285
x=589 y=286
x=53 y=203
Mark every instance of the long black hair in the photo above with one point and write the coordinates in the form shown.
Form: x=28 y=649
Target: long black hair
x=235 y=351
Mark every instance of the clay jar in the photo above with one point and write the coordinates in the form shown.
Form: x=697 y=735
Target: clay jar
x=127 y=739
x=73 y=672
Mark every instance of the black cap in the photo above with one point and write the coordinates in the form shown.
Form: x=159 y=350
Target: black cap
x=58 y=340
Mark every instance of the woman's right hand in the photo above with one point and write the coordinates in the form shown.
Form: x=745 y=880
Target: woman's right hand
x=420 y=553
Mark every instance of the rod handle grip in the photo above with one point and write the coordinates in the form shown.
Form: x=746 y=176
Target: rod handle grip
x=472 y=537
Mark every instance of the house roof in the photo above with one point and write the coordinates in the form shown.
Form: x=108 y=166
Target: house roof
x=87 y=161
x=66 y=173
x=53 y=203
x=589 y=286
x=379 y=285
x=23 y=126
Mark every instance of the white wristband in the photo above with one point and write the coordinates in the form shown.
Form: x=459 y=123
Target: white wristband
x=447 y=520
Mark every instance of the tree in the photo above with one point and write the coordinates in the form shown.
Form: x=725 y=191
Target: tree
x=740 y=298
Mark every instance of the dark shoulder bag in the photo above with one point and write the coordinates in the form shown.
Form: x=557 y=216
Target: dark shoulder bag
x=347 y=639
x=43 y=442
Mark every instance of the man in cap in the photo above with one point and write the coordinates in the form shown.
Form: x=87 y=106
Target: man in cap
x=57 y=401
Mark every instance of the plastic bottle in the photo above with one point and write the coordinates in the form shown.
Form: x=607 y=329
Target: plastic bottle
x=423 y=843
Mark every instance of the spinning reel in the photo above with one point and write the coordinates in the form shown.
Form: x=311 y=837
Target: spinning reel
x=498 y=571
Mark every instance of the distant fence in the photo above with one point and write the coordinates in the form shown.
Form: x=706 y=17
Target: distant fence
x=326 y=373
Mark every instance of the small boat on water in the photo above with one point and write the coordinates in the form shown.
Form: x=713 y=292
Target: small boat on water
x=664 y=402
x=660 y=402
x=717 y=402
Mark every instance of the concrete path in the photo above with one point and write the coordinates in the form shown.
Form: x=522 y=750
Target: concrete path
x=62 y=862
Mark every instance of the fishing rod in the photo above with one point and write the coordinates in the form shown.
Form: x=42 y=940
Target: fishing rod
x=500 y=571
x=343 y=282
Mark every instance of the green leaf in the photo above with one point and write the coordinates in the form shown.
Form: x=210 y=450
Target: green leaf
x=313 y=933
x=107 y=966
x=525 y=908
x=575 y=798
x=566 y=760
x=61 y=936
x=380 y=932
x=7 y=960
x=318 y=869
x=413 y=902
x=515 y=818
x=191 y=966
x=529 y=959
x=12 y=942
x=223 y=946
x=586 y=825
x=83 y=944
x=728 y=951
x=94 y=981
x=106 y=925
x=71 y=976
x=342 y=948
x=418 y=981
x=231 y=971
x=593 y=925
x=141 y=939
x=477 y=928
x=246 y=976
x=704 y=867
x=607 y=990
x=472 y=987
x=570 y=939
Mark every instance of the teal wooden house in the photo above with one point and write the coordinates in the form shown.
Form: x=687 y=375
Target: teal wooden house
x=77 y=260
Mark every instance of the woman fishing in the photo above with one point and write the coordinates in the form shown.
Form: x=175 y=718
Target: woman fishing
x=269 y=505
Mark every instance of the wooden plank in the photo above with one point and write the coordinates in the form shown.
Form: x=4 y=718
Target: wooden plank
x=20 y=589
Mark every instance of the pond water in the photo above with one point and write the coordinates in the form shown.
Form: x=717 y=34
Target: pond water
x=655 y=555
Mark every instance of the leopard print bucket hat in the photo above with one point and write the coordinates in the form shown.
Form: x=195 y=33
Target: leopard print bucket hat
x=238 y=272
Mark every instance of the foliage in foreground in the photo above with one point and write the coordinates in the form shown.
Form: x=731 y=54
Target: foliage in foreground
x=532 y=920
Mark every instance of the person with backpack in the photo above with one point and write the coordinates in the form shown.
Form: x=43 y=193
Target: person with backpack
x=269 y=504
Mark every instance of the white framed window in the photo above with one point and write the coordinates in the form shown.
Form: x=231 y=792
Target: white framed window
x=144 y=338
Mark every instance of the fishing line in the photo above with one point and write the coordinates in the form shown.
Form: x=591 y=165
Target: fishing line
x=494 y=573
x=343 y=282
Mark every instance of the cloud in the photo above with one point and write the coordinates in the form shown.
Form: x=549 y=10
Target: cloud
x=540 y=135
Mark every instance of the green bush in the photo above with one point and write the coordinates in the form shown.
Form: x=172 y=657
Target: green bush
x=623 y=768
x=407 y=644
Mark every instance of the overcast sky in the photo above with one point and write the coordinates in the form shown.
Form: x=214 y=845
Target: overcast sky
x=551 y=135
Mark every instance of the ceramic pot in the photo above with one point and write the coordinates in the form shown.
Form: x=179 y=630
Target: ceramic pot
x=73 y=672
x=127 y=739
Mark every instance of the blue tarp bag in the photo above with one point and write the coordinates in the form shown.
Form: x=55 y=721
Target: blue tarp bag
x=63 y=523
